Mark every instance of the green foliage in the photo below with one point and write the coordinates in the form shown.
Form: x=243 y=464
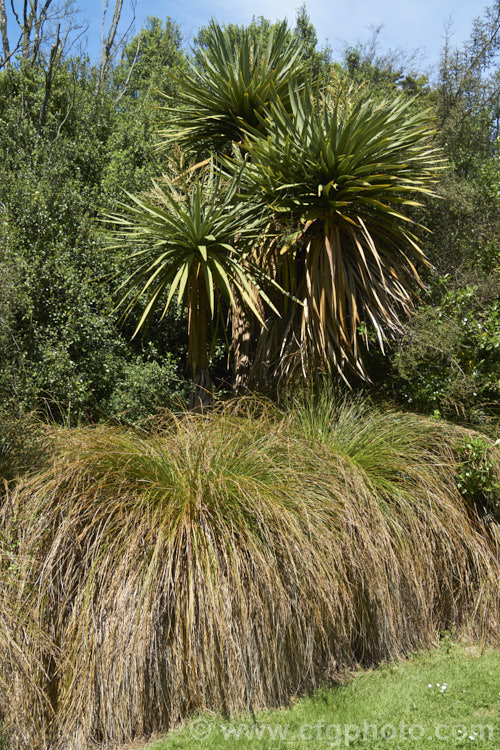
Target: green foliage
x=146 y=67
x=60 y=350
x=192 y=244
x=147 y=63
x=447 y=359
x=467 y=95
x=318 y=61
x=465 y=225
x=384 y=73
x=449 y=355
x=239 y=71
x=478 y=475
x=144 y=387
x=303 y=35
x=60 y=340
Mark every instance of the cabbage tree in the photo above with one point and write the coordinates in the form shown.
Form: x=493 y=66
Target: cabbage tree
x=226 y=91
x=192 y=247
x=347 y=173
x=237 y=74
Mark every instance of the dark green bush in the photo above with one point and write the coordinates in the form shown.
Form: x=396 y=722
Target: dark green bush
x=143 y=387
x=478 y=476
x=60 y=348
x=447 y=360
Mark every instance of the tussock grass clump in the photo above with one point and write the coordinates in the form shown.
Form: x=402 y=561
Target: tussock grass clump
x=228 y=561
x=22 y=446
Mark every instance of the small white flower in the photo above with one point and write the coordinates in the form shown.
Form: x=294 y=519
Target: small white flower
x=431 y=686
x=437 y=684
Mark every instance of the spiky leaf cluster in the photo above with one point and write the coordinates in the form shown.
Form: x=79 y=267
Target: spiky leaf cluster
x=231 y=87
x=344 y=172
x=191 y=245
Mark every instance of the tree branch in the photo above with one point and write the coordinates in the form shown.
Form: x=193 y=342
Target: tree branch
x=48 y=80
x=5 y=37
x=39 y=22
x=108 y=42
x=132 y=66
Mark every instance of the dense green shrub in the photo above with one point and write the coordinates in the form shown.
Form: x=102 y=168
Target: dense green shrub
x=144 y=387
x=448 y=359
x=60 y=348
x=478 y=476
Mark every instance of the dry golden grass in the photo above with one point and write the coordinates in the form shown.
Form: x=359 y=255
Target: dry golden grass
x=226 y=562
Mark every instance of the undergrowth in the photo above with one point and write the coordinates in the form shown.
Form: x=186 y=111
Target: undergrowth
x=228 y=561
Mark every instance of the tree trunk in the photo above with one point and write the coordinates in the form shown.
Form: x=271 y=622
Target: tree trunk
x=5 y=37
x=202 y=393
x=241 y=339
x=38 y=24
x=49 y=74
x=27 y=27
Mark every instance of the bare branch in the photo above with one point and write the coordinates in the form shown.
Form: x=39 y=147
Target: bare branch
x=104 y=11
x=39 y=22
x=48 y=80
x=82 y=29
x=16 y=48
x=108 y=42
x=15 y=14
x=132 y=66
x=27 y=26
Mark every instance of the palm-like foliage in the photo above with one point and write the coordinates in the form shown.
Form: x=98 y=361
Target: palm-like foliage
x=228 y=90
x=237 y=77
x=343 y=172
x=190 y=245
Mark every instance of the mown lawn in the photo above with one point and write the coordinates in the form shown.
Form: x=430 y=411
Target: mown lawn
x=449 y=698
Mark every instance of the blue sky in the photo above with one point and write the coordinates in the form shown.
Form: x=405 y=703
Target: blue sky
x=407 y=24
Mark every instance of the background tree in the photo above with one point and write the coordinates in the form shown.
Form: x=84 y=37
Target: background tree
x=448 y=356
x=61 y=350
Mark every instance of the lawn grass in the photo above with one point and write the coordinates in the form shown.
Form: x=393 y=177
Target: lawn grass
x=395 y=697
